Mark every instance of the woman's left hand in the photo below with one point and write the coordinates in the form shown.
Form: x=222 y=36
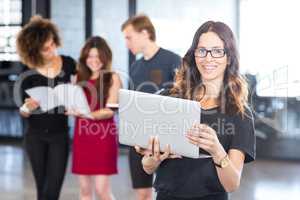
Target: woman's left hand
x=206 y=138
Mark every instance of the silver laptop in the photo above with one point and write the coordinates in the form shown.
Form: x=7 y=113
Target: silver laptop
x=142 y=115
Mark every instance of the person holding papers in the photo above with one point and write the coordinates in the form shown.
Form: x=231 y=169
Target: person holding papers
x=46 y=140
x=209 y=74
x=95 y=146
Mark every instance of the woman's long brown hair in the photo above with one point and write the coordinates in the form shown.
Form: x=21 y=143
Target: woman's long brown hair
x=104 y=81
x=234 y=94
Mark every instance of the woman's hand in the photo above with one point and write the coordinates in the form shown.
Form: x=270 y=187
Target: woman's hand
x=31 y=104
x=75 y=113
x=152 y=156
x=206 y=138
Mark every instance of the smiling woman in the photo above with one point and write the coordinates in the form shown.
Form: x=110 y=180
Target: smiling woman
x=209 y=74
x=95 y=148
x=210 y=57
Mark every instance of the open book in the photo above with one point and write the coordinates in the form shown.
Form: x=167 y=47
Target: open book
x=70 y=96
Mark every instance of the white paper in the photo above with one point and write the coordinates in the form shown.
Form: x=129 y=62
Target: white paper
x=68 y=95
x=142 y=115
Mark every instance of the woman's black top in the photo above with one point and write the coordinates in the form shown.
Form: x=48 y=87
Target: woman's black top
x=54 y=121
x=190 y=178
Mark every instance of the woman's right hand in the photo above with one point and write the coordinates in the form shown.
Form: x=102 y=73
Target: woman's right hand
x=152 y=156
x=31 y=104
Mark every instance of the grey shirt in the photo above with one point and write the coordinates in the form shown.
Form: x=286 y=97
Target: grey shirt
x=154 y=74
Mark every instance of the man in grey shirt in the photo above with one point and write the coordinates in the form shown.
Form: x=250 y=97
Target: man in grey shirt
x=154 y=71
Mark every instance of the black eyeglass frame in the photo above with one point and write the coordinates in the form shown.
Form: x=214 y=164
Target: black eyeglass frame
x=210 y=52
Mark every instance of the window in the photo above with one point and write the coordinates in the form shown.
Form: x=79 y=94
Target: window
x=10 y=24
x=269 y=40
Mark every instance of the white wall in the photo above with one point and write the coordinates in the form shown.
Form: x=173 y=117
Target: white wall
x=176 y=21
x=70 y=19
x=108 y=17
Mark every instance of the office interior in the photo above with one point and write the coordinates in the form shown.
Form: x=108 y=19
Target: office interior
x=268 y=40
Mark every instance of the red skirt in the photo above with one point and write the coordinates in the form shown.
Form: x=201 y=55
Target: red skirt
x=95 y=147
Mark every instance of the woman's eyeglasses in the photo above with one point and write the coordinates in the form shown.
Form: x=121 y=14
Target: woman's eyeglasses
x=215 y=53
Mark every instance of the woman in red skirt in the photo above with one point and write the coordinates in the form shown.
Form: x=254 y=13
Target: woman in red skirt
x=95 y=146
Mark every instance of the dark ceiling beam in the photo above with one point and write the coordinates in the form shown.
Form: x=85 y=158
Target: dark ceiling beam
x=35 y=7
x=88 y=18
x=131 y=12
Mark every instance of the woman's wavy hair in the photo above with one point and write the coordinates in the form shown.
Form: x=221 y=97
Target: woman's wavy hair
x=31 y=40
x=188 y=81
x=104 y=81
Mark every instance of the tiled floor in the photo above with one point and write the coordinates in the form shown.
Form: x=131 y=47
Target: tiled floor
x=276 y=180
